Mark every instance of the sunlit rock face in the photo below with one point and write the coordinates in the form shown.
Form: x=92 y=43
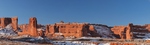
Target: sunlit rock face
x=75 y=30
x=6 y=20
x=131 y=31
x=31 y=28
x=14 y=23
x=78 y=30
x=67 y=30
x=119 y=31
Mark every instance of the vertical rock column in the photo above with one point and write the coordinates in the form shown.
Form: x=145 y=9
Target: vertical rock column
x=5 y=22
x=51 y=29
x=14 y=23
x=33 y=26
x=47 y=30
x=128 y=31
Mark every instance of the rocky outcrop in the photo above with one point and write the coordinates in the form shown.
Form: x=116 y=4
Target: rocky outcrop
x=30 y=29
x=24 y=29
x=14 y=23
x=76 y=29
x=128 y=31
x=67 y=30
x=119 y=31
x=33 y=26
x=6 y=20
x=131 y=31
x=93 y=31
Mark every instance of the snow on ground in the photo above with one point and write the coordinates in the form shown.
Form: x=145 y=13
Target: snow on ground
x=7 y=31
x=77 y=43
x=147 y=36
x=104 y=31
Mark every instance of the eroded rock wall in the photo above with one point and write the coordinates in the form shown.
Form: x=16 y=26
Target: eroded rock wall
x=6 y=21
x=33 y=26
x=119 y=31
x=15 y=23
x=67 y=29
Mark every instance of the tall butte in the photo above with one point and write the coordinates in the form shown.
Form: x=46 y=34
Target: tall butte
x=33 y=26
x=15 y=23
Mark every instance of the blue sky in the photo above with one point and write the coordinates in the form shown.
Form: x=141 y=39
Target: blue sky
x=108 y=12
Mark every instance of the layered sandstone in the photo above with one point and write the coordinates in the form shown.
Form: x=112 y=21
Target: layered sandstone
x=31 y=28
x=131 y=31
x=24 y=28
x=119 y=31
x=6 y=21
x=14 y=23
x=67 y=29
x=76 y=29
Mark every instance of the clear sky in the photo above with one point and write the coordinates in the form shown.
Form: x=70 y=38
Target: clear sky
x=108 y=12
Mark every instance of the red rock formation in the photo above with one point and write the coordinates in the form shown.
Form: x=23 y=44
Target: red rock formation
x=24 y=28
x=40 y=32
x=119 y=31
x=92 y=31
x=128 y=31
x=49 y=30
x=15 y=23
x=33 y=26
x=91 y=28
x=67 y=29
x=5 y=22
x=131 y=31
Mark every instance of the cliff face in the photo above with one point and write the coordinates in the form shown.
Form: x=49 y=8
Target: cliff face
x=76 y=30
x=68 y=30
x=131 y=31
x=6 y=21
x=31 y=28
x=119 y=31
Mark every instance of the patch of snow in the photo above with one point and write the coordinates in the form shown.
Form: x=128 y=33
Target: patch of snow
x=40 y=38
x=147 y=37
x=77 y=43
x=7 y=31
x=39 y=29
x=73 y=43
x=22 y=36
x=105 y=32
x=140 y=36
x=89 y=34
x=104 y=44
x=90 y=38
x=59 y=33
